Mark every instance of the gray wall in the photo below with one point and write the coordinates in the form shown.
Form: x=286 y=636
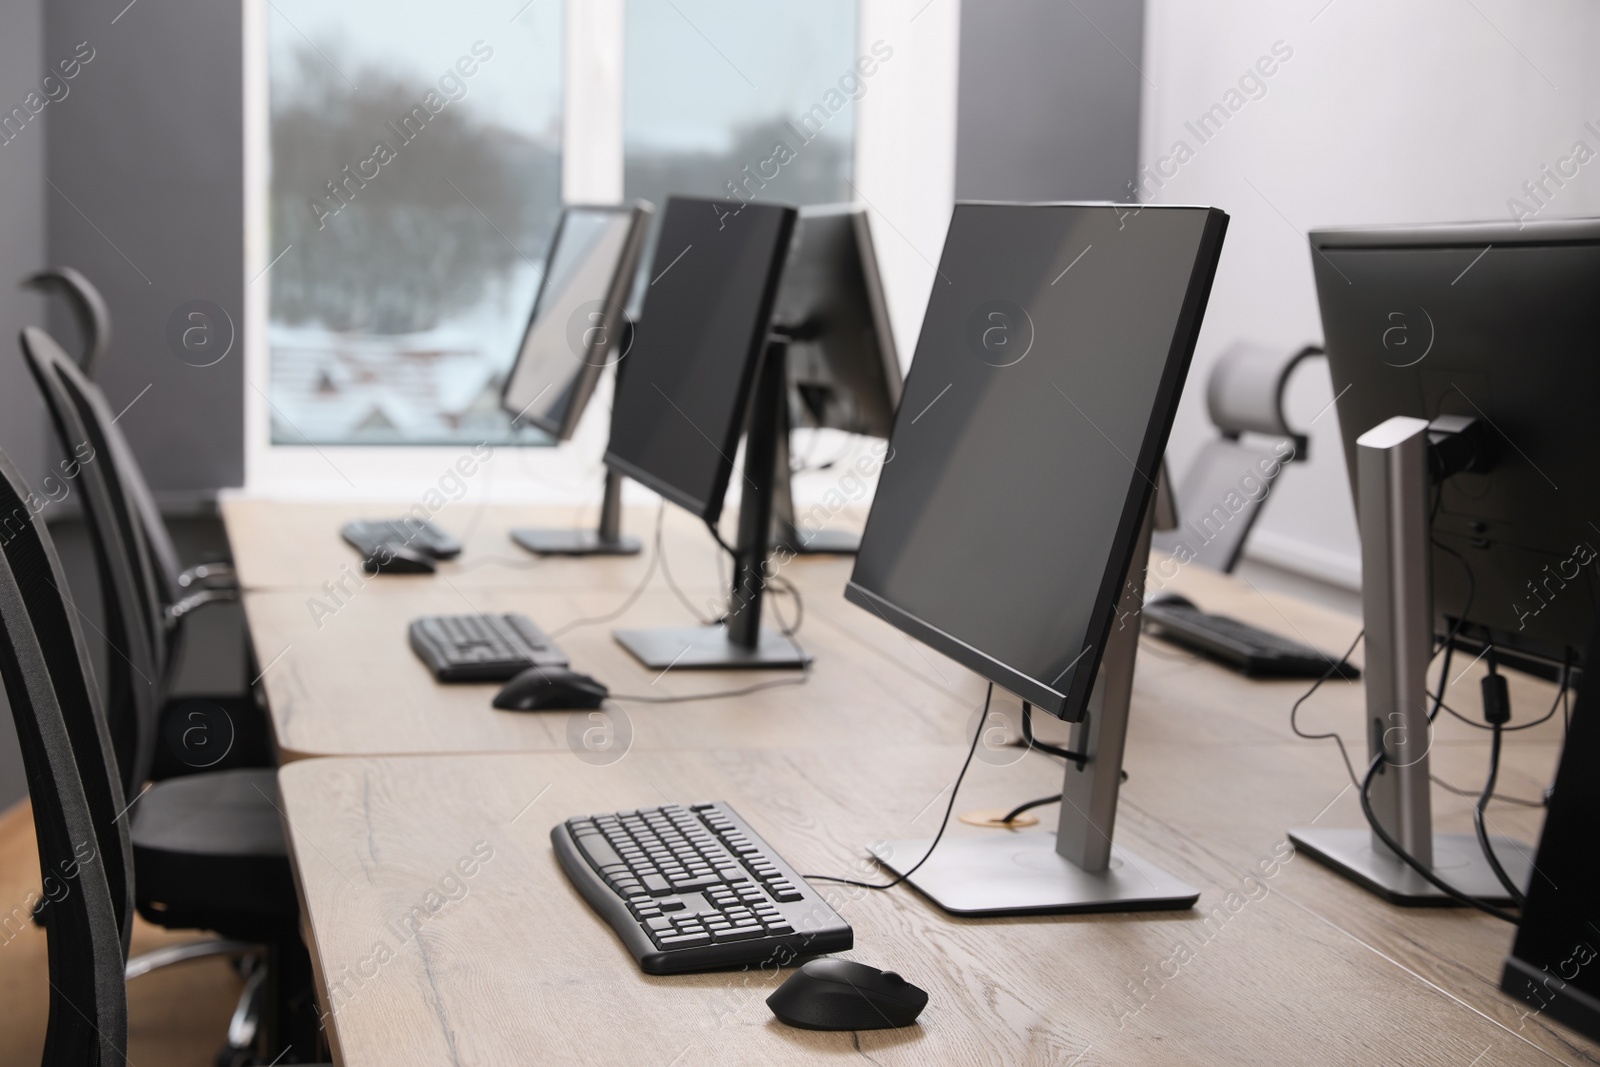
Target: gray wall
x=1048 y=108
x=135 y=177
x=148 y=148
x=22 y=236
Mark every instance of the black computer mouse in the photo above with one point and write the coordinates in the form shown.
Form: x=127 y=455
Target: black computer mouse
x=834 y=994
x=1172 y=600
x=551 y=689
x=399 y=559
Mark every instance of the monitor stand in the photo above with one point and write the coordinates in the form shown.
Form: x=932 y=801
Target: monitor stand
x=740 y=641
x=785 y=533
x=1393 y=479
x=1076 y=869
x=607 y=540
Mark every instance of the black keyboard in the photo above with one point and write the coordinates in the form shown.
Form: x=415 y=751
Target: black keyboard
x=694 y=889
x=1245 y=648
x=367 y=536
x=482 y=648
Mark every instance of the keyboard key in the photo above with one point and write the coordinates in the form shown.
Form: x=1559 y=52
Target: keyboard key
x=685 y=941
x=656 y=884
x=685 y=884
x=599 y=852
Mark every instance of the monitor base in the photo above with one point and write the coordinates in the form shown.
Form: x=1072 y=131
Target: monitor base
x=574 y=542
x=822 y=543
x=710 y=648
x=1562 y=1001
x=1010 y=873
x=1457 y=859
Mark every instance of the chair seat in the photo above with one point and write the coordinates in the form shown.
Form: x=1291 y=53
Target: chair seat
x=210 y=732
x=209 y=852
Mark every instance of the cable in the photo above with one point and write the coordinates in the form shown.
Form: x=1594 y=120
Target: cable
x=479 y=562
x=638 y=590
x=666 y=572
x=1394 y=846
x=1483 y=835
x=954 y=789
x=1458 y=791
x=799 y=606
x=1053 y=798
x=1333 y=668
x=1029 y=741
x=1497 y=711
x=1562 y=696
x=746 y=691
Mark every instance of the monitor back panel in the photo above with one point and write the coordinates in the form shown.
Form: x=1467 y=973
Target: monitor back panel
x=844 y=373
x=1501 y=325
x=681 y=404
x=1052 y=356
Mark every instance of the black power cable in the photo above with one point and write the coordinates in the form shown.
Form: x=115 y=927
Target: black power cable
x=1394 y=846
x=954 y=789
x=1497 y=710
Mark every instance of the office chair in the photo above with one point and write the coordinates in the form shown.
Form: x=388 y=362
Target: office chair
x=162 y=593
x=208 y=849
x=88 y=1022
x=1222 y=493
x=88 y=309
x=93 y=317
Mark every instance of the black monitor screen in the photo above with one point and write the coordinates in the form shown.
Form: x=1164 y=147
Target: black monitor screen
x=1501 y=323
x=680 y=407
x=575 y=329
x=1051 y=359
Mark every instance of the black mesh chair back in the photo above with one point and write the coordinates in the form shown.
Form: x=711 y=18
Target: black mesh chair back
x=135 y=629
x=88 y=1022
x=93 y=317
x=88 y=307
x=28 y=551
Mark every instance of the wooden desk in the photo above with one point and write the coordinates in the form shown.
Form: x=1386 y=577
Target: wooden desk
x=1301 y=967
x=519 y=969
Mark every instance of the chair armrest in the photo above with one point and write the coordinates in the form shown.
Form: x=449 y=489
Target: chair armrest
x=216 y=575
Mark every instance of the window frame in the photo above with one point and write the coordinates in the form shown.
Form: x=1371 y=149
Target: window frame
x=904 y=169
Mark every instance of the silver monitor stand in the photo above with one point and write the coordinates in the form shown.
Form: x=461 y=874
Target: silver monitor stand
x=1397 y=605
x=1076 y=869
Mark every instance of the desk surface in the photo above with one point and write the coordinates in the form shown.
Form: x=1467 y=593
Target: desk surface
x=341 y=679
x=859 y=753
x=512 y=966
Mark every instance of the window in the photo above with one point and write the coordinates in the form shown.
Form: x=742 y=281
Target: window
x=720 y=103
x=415 y=182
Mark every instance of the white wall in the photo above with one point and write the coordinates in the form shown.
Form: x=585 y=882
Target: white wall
x=1426 y=111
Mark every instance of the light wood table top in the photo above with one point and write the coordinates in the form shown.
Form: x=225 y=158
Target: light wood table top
x=519 y=969
x=512 y=967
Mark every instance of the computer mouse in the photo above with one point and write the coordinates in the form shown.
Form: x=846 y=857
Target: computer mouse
x=833 y=994
x=1172 y=600
x=399 y=559
x=551 y=689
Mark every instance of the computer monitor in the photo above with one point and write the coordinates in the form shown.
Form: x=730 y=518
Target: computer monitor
x=1495 y=323
x=699 y=365
x=844 y=372
x=1498 y=322
x=577 y=328
x=1552 y=963
x=1011 y=528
